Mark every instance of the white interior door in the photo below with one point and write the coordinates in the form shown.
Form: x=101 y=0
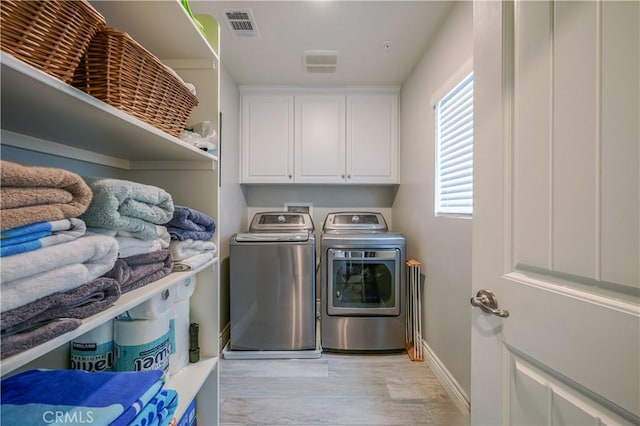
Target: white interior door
x=556 y=212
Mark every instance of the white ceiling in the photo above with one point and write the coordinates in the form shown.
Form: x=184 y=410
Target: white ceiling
x=357 y=29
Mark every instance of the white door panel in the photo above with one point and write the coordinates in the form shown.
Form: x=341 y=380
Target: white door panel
x=556 y=212
x=538 y=398
x=574 y=137
x=319 y=139
x=372 y=138
x=267 y=138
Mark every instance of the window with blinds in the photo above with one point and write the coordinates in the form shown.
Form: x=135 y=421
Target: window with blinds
x=454 y=151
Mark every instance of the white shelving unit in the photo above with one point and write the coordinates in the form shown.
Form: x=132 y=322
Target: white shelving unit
x=47 y=122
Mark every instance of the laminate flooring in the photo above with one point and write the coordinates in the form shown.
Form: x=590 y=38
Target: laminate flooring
x=337 y=390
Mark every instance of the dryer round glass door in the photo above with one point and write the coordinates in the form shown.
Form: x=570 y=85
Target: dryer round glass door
x=363 y=282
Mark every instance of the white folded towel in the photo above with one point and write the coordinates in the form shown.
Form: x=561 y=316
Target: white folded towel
x=132 y=246
x=193 y=262
x=188 y=248
x=26 y=277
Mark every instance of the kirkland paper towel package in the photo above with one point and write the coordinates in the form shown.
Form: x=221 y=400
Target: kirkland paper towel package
x=141 y=345
x=93 y=351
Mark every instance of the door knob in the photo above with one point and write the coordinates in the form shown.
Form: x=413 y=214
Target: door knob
x=488 y=302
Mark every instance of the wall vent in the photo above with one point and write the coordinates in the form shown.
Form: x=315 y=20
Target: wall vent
x=241 y=23
x=320 y=61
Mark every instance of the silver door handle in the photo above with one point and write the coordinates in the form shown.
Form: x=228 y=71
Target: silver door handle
x=488 y=302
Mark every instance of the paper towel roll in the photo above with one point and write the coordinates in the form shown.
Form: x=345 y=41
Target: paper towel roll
x=93 y=351
x=157 y=306
x=141 y=345
x=185 y=288
x=180 y=343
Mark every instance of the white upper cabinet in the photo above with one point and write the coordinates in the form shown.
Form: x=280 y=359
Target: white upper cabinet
x=372 y=138
x=267 y=138
x=320 y=137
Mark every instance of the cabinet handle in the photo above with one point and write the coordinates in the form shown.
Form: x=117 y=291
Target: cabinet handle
x=349 y=176
x=290 y=176
x=342 y=176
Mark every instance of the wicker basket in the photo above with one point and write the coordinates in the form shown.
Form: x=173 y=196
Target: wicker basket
x=120 y=72
x=49 y=35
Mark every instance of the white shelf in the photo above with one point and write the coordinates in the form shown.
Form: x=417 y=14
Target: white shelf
x=144 y=19
x=188 y=381
x=36 y=104
x=124 y=303
x=42 y=114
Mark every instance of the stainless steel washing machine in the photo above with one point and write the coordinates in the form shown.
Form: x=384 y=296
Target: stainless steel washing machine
x=272 y=286
x=362 y=284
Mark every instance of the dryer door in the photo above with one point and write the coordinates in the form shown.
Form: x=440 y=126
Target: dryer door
x=364 y=282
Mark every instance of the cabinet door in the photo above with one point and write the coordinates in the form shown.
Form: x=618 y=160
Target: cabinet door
x=372 y=138
x=320 y=139
x=267 y=138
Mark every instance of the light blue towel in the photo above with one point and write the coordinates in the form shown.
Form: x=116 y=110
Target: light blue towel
x=103 y=398
x=40 y=234
x=128 y=206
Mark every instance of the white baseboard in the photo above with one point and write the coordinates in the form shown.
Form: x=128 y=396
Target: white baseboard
x=449 y=383
x=224 y=336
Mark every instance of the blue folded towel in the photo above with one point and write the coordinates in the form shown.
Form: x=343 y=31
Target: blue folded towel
x=91 y=398
x=188 y=223
x=34 y=236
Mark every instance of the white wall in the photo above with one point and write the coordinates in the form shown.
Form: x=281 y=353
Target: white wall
x=324 y=198
x=441 y=244
x=233 y=208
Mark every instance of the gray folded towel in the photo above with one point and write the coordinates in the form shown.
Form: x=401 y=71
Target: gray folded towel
x=136 y=271
x=28 y=339
x=81 y=302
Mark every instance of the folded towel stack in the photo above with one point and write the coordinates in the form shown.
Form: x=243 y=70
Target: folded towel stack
x=190 y=231
x=49 y=264
x=101 y=398
x=30 y=322
x=133 y=214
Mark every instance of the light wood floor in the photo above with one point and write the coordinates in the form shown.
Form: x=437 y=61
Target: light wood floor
x=336 y=389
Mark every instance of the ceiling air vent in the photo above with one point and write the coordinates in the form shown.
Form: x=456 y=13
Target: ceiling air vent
x=241 y=23
x=320 y=61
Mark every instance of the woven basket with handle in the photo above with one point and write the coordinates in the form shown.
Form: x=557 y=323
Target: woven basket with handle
x=120 y=72
x=49 y=35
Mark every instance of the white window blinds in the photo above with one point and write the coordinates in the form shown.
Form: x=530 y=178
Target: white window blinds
x=454 y=150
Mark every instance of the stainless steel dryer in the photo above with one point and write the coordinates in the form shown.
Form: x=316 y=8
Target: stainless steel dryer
x=362 y=284
x=272 y=287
